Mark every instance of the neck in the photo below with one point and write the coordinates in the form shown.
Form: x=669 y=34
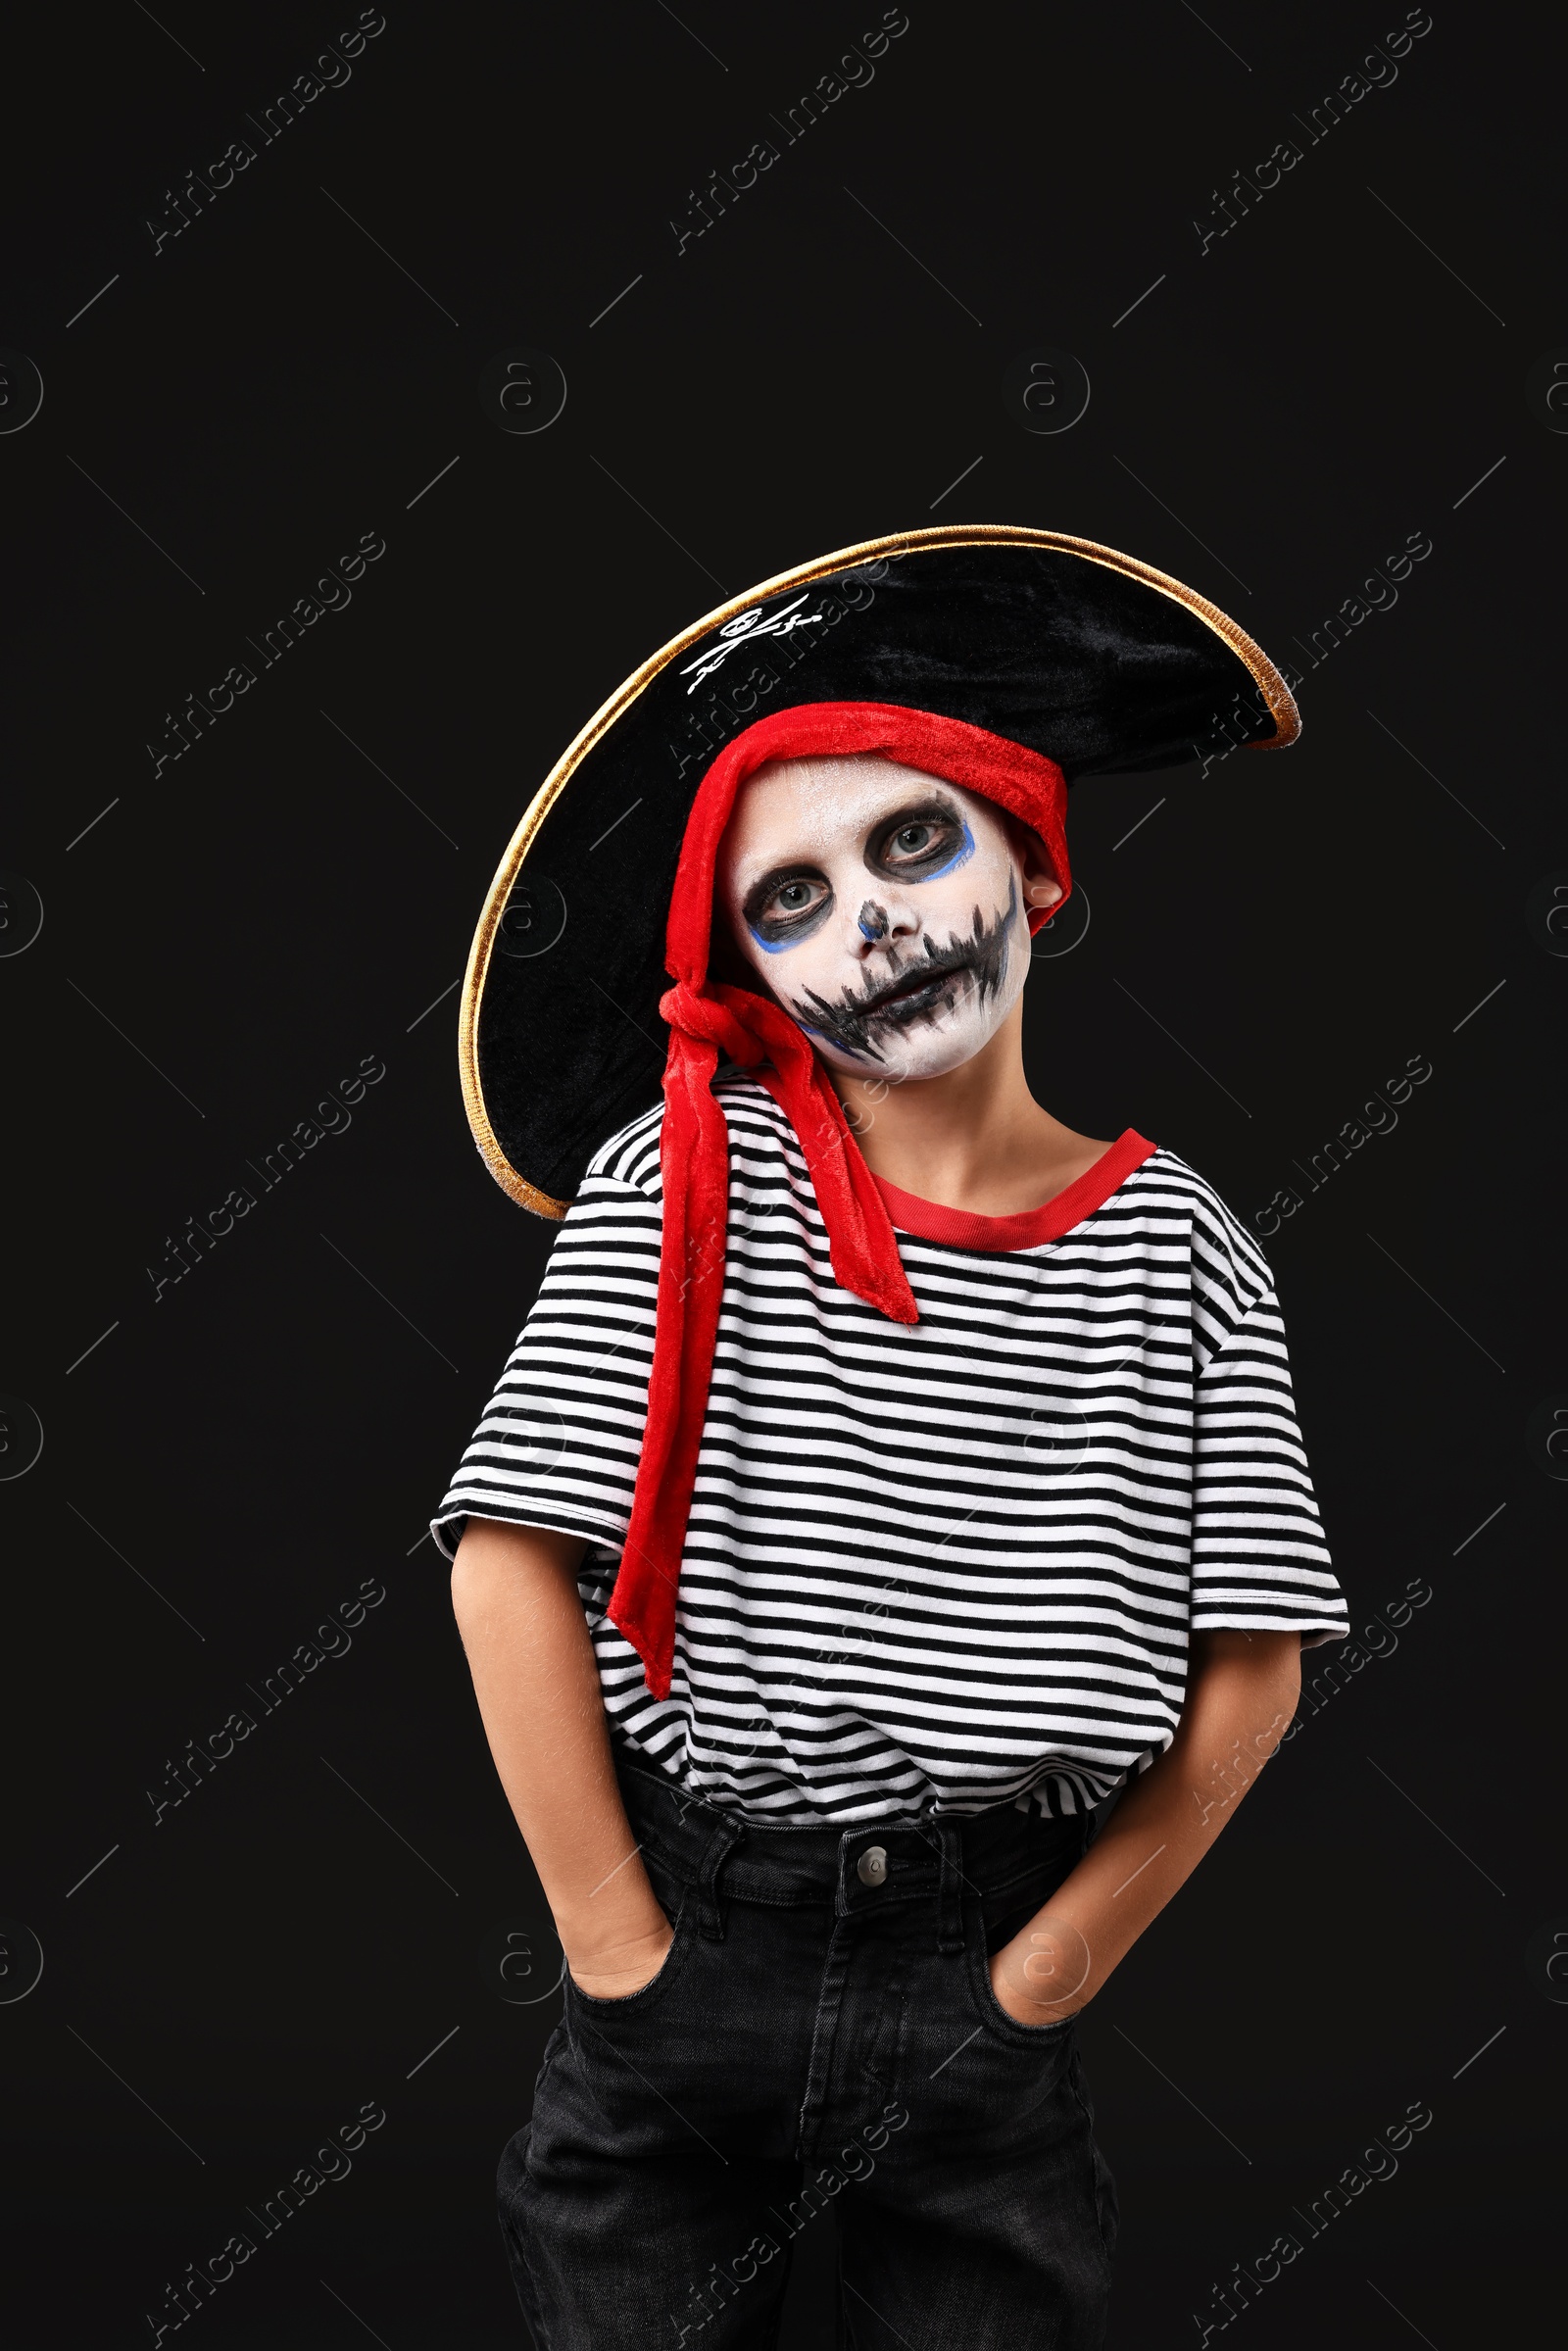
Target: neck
x=974 y=1138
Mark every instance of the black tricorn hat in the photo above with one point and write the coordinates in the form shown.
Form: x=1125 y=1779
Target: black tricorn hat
x=1098 y=661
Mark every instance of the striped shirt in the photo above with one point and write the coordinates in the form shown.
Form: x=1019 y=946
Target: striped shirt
x=934 y=1567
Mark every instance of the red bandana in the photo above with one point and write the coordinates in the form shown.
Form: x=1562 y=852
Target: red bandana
x=708 y=1019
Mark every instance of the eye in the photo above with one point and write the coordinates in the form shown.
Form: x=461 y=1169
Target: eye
x=912 y=840
x=918 y=840
x=793 y=899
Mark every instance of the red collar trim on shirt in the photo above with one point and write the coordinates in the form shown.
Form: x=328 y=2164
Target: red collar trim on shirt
x=928 y=1220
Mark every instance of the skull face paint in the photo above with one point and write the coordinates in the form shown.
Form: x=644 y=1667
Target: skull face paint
x=883 y=908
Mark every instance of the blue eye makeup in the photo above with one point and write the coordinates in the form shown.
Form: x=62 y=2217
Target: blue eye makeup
x=960 y=856
x=772 y=947
x=922 y=844
x=773 y=921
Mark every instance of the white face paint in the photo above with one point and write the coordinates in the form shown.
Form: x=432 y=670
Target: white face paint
x=885 y=911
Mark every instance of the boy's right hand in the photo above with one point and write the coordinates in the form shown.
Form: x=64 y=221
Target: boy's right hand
x=617 y=1970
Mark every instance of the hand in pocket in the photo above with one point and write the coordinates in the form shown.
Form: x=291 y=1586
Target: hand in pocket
x=1039 y=1977
x=619 y=1971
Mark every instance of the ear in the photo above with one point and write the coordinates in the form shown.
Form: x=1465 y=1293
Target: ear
x=1041 y=887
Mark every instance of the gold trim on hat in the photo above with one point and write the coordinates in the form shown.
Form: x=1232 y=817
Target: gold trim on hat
x=1276 y=694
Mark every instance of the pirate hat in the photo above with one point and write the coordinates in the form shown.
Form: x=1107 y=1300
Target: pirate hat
x=1100 y=663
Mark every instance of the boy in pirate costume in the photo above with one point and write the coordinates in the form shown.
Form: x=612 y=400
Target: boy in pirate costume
x=885 y=1474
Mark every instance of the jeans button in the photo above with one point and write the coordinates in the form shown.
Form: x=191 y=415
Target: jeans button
x=872 y=1866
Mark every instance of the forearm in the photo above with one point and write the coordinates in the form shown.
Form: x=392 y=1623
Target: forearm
x=1242 y=1694
x=515 y=1596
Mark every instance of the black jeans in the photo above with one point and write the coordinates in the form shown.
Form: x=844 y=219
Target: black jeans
x=821 y=2046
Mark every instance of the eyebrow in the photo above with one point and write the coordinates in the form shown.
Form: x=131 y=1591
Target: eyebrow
x=935 y=802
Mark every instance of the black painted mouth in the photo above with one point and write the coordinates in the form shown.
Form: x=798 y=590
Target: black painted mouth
x=917 y=993
x=915 y=990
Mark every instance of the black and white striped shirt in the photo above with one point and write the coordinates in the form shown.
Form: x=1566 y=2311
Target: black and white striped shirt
x=930 y=1567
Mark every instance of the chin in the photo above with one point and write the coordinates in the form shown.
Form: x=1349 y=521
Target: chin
x=927 y=1051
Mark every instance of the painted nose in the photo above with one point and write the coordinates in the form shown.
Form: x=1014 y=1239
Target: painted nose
x=881 y=920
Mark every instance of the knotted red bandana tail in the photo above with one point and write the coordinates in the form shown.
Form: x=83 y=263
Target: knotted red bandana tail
x=708 y=1019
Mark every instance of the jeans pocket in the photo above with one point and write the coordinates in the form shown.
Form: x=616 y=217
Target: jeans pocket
x=989 y=2008
x=649 y=1994
x=652 y=2065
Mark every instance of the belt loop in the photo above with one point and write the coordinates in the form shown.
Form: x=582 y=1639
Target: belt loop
x=949 y=1897
x=710 y=1915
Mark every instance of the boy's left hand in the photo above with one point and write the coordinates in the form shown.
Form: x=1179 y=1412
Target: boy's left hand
x=1041 y=1977
x=1242 y=1689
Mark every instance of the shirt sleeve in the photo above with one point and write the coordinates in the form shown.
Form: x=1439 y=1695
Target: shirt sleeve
x=559 y=1443
x=1259 y=1562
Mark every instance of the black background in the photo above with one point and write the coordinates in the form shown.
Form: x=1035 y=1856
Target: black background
x=228 y=941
